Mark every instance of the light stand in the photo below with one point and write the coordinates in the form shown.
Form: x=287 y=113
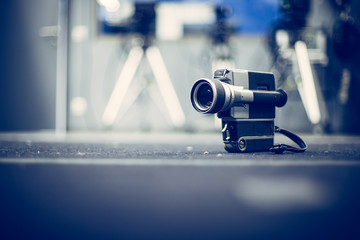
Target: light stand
x=221 y=53
x=301 y=59
x=221 y=56
x=291 y=50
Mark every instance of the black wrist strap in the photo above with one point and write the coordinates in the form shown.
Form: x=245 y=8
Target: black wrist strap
x=280 y=148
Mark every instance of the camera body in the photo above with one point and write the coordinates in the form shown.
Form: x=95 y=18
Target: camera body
x=245 y=102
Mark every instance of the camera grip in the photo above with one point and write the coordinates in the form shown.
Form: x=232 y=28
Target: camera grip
x=279 y=97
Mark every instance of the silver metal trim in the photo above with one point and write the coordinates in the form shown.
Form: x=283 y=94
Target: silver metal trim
x=248 y=119
x=257 y=137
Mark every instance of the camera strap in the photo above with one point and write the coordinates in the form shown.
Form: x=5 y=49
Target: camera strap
x=280 y=148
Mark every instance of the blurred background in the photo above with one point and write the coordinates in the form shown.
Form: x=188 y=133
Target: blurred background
x=115 y=65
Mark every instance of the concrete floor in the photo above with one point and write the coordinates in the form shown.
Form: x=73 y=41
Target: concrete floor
x=175 y=186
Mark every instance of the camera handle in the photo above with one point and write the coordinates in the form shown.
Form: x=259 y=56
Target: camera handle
x=280 y=148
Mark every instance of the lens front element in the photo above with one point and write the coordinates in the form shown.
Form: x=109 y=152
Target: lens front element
x=204 y=95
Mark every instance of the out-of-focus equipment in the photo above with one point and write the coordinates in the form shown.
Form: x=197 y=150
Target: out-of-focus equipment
x=220 y=32
x=297 y=47
x=245 y=101
x=221 y=52
x=345 y=49
x=141 y=23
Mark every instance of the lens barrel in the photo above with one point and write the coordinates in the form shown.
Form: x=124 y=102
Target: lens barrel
x=212 y=96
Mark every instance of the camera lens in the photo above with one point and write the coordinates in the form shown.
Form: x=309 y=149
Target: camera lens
x=204 y=95
x=208 y=96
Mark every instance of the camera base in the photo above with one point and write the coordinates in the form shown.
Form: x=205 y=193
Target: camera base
x=248 y=135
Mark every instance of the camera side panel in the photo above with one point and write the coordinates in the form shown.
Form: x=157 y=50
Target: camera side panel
x=261 y=81
x=266 y=82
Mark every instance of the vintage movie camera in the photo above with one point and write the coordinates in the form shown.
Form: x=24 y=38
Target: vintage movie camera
x=245 y=101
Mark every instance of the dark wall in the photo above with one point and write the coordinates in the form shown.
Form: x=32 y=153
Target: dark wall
x=28 y=65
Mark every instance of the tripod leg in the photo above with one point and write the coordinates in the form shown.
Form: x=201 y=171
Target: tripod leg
x=122 y=85
x=307 y=88
x=166 y=88
x=133 y=94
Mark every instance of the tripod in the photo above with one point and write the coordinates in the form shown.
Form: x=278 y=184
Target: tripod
x=152 y=54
